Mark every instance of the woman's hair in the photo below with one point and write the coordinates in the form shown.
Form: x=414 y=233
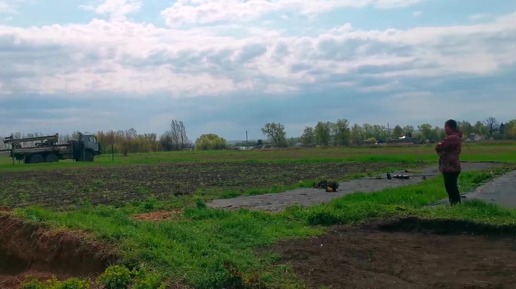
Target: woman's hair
x=452 y=124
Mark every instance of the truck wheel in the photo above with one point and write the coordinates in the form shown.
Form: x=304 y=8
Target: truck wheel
x=37 y=158
x=51 y=158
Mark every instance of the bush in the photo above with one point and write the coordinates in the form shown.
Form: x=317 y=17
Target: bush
x=72 y=283
x=115 y=277
x=145 y=280
x=32 y=283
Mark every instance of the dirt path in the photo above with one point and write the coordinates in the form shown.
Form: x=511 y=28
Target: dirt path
x=307 y=197
x=393 y=257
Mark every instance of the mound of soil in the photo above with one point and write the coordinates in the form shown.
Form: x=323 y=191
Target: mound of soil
x=158 y=216
x=27 y=249
x=406 y=254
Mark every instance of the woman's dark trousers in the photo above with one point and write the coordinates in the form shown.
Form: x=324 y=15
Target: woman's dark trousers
x=450 y=183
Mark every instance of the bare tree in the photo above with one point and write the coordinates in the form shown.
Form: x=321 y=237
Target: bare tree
x=492 y=125
x=175 y=138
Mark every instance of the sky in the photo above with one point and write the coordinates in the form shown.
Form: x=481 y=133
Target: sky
x=230 y=66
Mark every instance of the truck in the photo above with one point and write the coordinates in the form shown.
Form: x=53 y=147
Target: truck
x=41 y=149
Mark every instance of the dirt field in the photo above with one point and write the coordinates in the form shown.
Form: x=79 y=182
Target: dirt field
x=407 y=253
x=108 y=185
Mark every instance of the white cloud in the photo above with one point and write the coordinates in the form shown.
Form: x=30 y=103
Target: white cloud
x=126 y=58
x=116 y=10
x=210 y=11
x=6 y=8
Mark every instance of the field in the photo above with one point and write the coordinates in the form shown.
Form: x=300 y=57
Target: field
x=147 y=212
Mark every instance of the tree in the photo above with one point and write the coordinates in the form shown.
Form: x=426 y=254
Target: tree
x=480 y=129
x=408 y=130
x=308 y=137
x=380 y=132
x=175 y=138
x=426 y=131
x=368 y=131
x=510 y=129
x=357 y=134
x=341 y=132
x=323 y=133
x=397 y=132
x=210 y=142
x=491 y=126
x=466 y=128
x=276 y=133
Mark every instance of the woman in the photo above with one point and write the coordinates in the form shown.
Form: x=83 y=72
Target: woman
x=449 y=163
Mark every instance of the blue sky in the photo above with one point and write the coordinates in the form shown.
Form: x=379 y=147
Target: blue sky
x=227 y=66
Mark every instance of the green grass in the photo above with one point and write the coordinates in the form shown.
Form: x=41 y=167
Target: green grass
x=195 y=247
x=207 y=248
x=497 y=151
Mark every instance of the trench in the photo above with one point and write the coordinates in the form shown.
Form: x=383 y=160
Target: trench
x=30 y=249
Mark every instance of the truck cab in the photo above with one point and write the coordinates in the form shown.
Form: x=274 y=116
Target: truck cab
x=90 y=142
x=85 y=148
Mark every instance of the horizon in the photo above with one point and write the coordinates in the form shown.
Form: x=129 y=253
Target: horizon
x=231 y=66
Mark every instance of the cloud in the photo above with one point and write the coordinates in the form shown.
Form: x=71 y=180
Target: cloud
x=116 y=10
x=184 y=12
x=127 y=58
x=7 y=7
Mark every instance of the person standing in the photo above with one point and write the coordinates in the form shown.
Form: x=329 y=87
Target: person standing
x=449 y=150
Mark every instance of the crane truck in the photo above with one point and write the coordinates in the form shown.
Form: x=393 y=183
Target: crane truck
x=48 y=149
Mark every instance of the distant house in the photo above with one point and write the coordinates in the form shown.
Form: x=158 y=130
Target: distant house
x=474 y=137
x=403 y=140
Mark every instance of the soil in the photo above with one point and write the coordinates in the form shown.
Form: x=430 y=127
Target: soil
x=27 y=249
x=405 y=253
x=118 y=184
x=158 y=216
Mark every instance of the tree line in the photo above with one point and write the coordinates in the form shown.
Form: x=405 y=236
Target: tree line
x=341 y=133
x=338 y=133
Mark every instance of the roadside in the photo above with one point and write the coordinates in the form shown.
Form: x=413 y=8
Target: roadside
x=309 y=196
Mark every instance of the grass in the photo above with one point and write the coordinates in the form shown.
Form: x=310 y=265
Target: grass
x=207 y=248
x=497 y=151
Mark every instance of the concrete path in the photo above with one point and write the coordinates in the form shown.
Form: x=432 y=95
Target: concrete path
x=501 y=191
x=308 y=196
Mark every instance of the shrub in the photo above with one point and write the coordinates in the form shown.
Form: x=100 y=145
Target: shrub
x=115 y=277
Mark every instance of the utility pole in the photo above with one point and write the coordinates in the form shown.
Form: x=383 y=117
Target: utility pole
x=246 y=140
